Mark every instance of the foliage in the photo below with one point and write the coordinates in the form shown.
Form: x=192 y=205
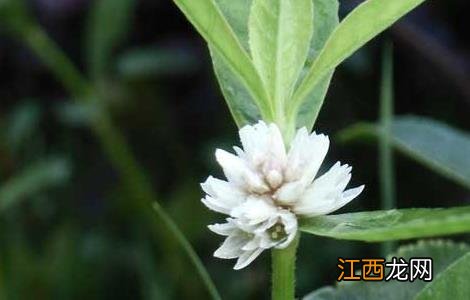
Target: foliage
x=32 y=180
x=270 y=73
x=106 y=29
x=274 y=60
x=434 y=144
x=396 y=224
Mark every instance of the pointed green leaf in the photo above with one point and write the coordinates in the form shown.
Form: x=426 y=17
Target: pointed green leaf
x=325 y=21
x=445 y=254
x=435 y=145
x=388 y=225
x=22 y=126
x=108 y=24
x=450 y=284
x=240 y=103
x=237 y=15
x=279 y=34
x=238 y=97
x=32 y=180
x=361 y=25
x=208 y=19
x=155 y=62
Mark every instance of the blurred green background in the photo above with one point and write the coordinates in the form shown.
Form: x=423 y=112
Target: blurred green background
x=69 y=229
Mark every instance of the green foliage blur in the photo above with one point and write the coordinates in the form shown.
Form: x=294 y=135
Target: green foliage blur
x=69 y=227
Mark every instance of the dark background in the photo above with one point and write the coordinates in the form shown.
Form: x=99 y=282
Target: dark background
x=83 y=239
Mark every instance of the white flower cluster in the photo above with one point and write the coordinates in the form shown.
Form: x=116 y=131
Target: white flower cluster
x=267 y=188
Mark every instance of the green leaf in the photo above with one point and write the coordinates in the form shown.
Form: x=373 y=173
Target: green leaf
x=240 y=103
x=279 y=34
x=388 y=225
x=32 y=180
x=325 y=21
x=361 y=25
x=239 y=100
x=435 y=145
x=237 y=15
x=245 y=112
x=450 y=284
x=208 y=19
x=152 y=62
x=22 y=125
x=77 y=114
x=108 y=24
x=445 y=254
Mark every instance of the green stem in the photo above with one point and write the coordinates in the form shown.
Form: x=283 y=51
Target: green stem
x=52 y=56
x=113 y=143
x=386 y=164
x=3 y=292
x=283 y=271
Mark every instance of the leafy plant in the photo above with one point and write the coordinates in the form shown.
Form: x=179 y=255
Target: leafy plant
x=274 y=60
x=225 y=27
x=259 y=61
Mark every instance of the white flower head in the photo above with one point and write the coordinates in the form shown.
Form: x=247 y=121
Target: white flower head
x=268 y=188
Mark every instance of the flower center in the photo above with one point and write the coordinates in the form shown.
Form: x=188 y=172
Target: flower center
x=277 y=232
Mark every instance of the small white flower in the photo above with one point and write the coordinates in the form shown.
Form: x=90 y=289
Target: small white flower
x=269 y=188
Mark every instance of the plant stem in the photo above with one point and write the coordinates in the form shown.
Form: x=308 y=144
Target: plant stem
x=56 y=61
x=283 y=271
x=112 y=143
x=386 y=163
x=3 y=292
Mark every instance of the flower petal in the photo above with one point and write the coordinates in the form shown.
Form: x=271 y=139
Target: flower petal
x=266 y=224
x=246 y=258
x=290 y=192
x=253 y=244
x=237 y=172
x=254 y=140
x=326 y=194
x=276 y=145
x=231 y=247
x=254 y=211
x=225 y=229
x=306 y=155
x=261 y=142
x=289 y=220
x=224 y=195
x=265 y=241
x=350 y=194
x=216 y=205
